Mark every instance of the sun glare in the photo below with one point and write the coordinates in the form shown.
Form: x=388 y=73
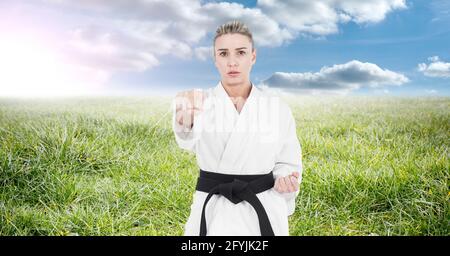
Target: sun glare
x=29 y=69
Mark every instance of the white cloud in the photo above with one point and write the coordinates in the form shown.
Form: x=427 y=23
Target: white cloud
x=313 y=17
x=338 y=78
x=436 y=68
x=266 y=31
x=94 y=47
x=369 y=10
x=322 y=17
x=203 y=53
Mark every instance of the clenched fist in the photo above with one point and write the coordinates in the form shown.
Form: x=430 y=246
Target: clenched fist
x=188 y=105
x=287 y=184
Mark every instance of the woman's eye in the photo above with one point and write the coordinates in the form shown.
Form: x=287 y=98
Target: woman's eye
x=222 y=53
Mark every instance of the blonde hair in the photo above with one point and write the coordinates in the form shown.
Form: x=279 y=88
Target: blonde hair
x=234 y=27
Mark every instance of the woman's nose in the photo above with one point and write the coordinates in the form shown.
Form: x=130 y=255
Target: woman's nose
x=232 y=62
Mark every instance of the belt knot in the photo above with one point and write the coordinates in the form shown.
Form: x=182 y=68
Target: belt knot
x=232 y=190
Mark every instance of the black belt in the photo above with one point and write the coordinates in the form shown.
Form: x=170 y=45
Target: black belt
x=237 y=188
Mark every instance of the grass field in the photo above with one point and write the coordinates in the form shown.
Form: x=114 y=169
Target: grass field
x=110 y=166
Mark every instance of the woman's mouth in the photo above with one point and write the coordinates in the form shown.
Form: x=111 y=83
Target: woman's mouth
x=233 y=73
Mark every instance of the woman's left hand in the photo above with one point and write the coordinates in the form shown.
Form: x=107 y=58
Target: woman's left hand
x=287 y=184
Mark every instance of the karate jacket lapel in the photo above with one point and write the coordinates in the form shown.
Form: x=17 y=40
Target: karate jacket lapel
x=237 y=147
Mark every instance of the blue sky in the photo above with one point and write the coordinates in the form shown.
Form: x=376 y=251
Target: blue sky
x=375 y=47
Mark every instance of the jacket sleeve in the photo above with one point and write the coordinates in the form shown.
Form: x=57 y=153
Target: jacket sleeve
x=289 y=158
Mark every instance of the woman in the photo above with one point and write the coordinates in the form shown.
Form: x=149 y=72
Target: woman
x=245 y=143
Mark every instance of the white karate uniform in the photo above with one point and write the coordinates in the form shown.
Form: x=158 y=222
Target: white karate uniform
x=260 y=139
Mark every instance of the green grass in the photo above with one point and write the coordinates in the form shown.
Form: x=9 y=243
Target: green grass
x=110 y=166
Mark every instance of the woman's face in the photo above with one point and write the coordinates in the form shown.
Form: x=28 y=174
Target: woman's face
x=234 y=58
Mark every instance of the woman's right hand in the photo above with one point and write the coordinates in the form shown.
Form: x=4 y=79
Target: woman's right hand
x=188 y=105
